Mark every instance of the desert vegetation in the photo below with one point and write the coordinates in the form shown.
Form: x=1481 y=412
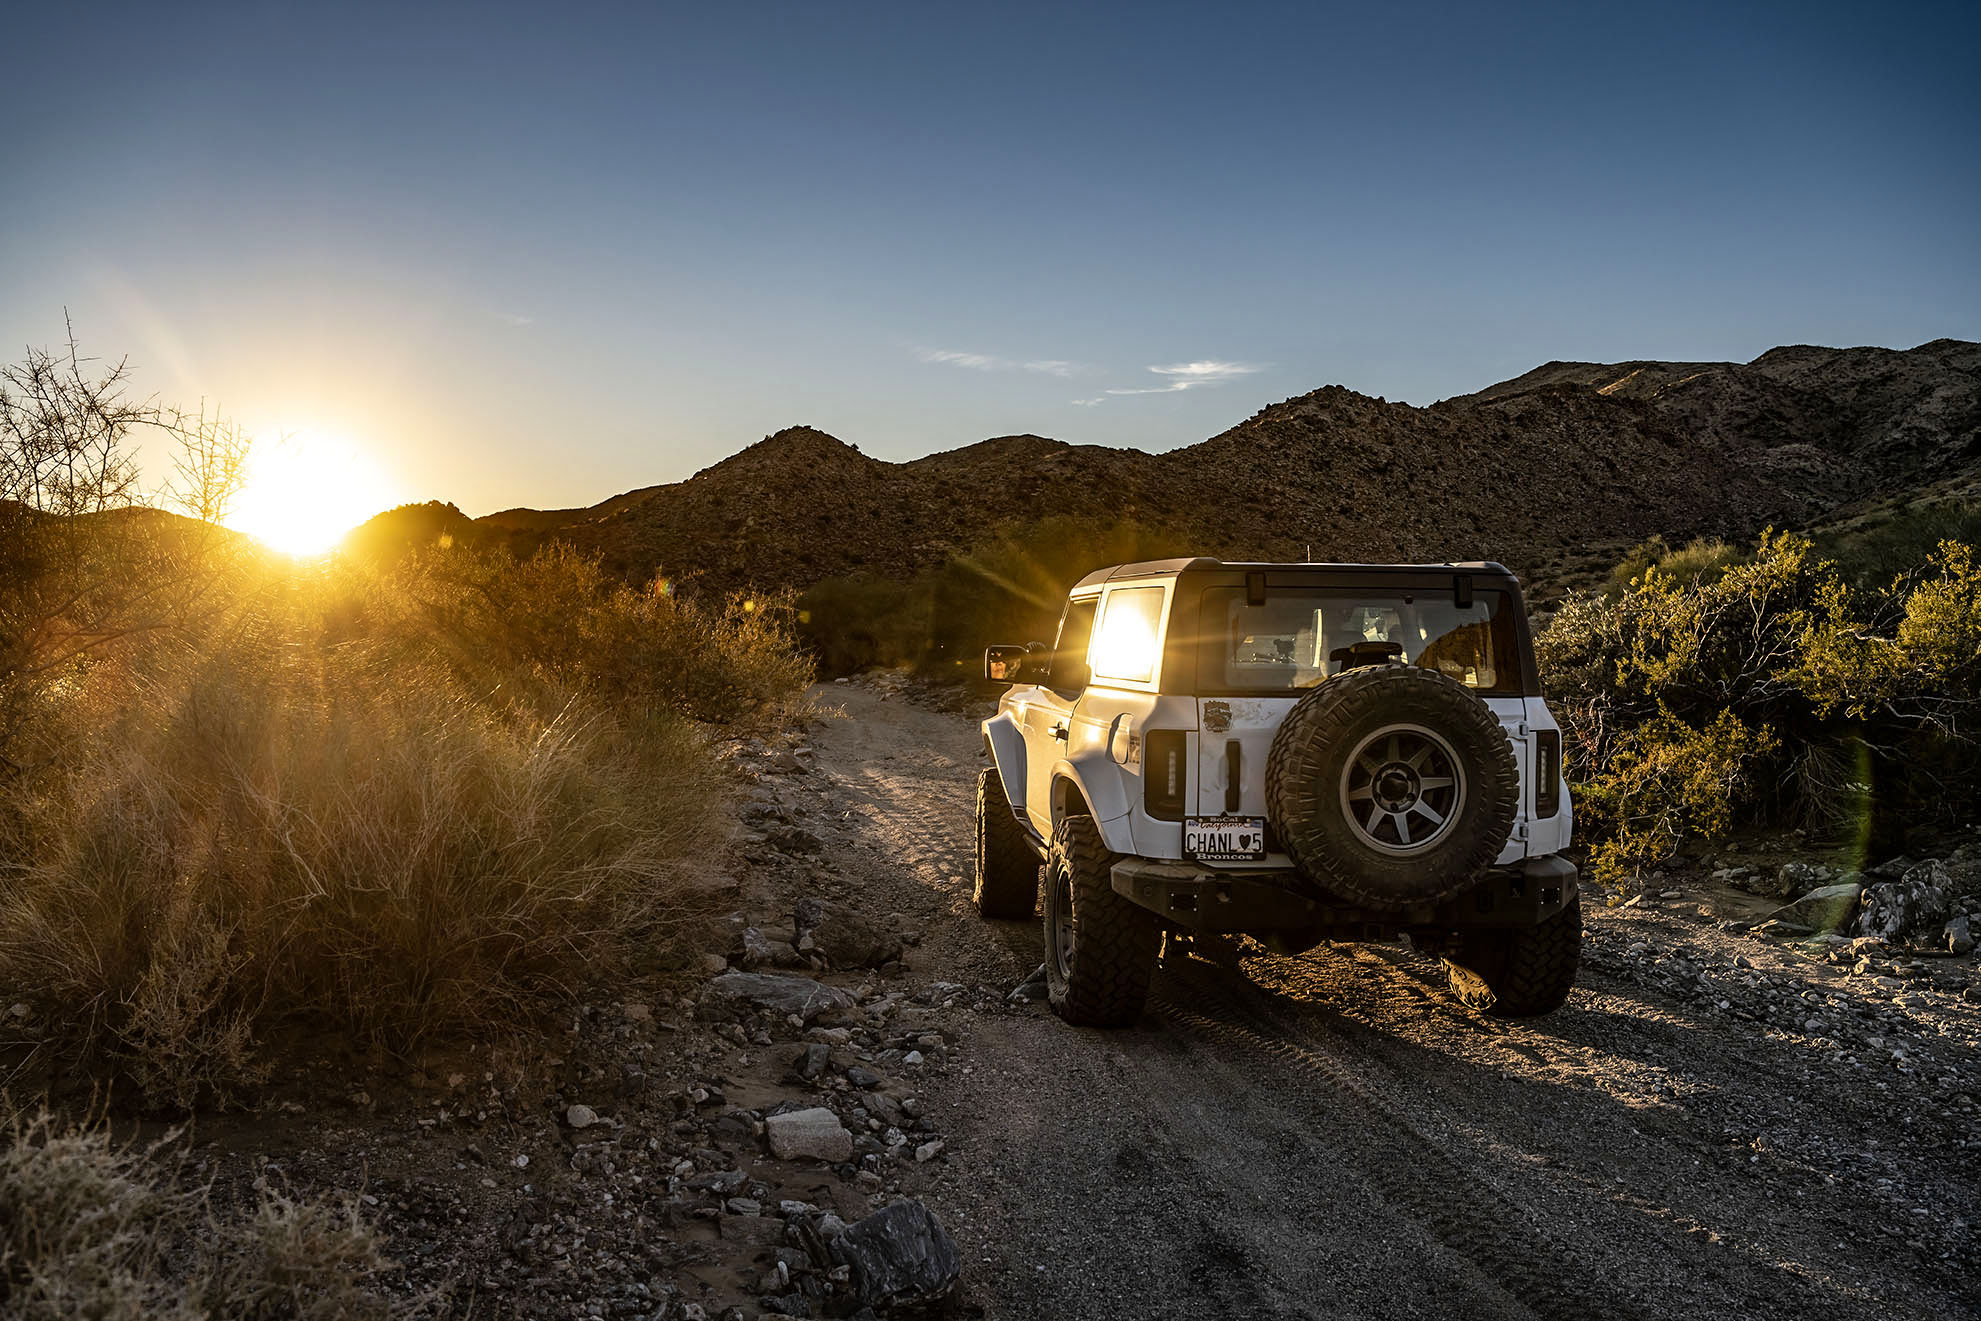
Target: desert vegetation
x=245 y=798
x=1707 y=688
x=1008 y=587
x=90 y=1227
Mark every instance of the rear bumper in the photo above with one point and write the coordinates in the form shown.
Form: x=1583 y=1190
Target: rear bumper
x=1199 y=898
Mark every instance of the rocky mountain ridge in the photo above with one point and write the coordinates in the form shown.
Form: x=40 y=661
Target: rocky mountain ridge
x=1566 y=463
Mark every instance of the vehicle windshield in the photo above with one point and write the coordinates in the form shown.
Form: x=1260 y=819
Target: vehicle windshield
x=1300 y=636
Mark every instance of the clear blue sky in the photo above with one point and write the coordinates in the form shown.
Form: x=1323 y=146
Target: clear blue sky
x=540 y=255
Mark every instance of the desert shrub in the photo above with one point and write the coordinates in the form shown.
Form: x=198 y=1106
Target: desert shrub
x=1891 y=544
x=862 y=620
x=85 y=567
x=560 y=617
x=390 y=804
x=1702 y=559
x=91 y=1228
x=1666 y=780
x=1008 y=587
x=1769 y=689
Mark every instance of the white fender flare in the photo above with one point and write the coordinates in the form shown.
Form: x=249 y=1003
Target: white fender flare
x=1096 y=781
x=1006 y=744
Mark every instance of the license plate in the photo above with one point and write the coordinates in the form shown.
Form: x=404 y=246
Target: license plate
x=1225 y=838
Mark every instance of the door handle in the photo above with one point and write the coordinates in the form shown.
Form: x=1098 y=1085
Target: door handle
x=1059 y=732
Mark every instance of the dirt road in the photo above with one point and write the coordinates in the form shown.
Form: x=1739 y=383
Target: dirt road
x=1709 y=1128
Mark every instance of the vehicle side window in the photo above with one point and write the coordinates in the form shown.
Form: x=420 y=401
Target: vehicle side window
x=1069 y=653
x=1131 y=626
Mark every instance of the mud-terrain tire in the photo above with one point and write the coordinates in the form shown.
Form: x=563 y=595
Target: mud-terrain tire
x=1518 y=973
x=1007 y=879
x=1100 y=948
x=1349 y=744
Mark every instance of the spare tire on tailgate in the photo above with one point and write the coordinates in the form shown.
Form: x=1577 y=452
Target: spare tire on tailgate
x=1392 y=786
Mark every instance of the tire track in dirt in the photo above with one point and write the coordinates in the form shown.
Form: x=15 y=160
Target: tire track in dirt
x=1405 y=1166
x=1334 y=1135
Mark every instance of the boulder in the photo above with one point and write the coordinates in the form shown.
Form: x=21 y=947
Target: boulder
x=814 y=1134
x=901 y=1254
x=1912 y=909
x=773 y=993
x=1797 y=878
x=1960 y=940
x=1828 y=909
x=843 y=935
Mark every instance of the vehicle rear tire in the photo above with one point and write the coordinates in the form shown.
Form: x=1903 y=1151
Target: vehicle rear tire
x=1007 y=871
x=1100 y=948
x=1392 y=786
x=1518 y=973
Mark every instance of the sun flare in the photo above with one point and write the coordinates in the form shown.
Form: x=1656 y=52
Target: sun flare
x=302 y=493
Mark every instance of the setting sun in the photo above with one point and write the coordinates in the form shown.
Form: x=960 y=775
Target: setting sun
x=304 y=492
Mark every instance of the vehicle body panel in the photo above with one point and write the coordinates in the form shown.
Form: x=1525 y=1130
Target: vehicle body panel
x=1097 y=766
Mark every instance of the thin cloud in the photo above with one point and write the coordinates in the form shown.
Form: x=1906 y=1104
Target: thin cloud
x=985 y=362
x=1089 y=403
x=516 y=319
x=1195 y=375
x=976 y=362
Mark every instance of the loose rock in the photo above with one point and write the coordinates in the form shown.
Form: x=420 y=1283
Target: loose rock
x=844 y=936
x=1830 y=908
x=800 y=997
x=900 y=1254
x=1914 y=908
x=814 y=1134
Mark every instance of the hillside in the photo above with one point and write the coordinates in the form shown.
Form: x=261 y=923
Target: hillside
x=1549 y=472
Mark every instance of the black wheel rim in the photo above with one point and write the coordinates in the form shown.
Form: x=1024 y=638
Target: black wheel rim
x=1059 y=920
x=1402 y=789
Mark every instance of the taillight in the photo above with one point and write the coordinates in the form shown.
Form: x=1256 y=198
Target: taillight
x=1165 y=773
x=1547 y=772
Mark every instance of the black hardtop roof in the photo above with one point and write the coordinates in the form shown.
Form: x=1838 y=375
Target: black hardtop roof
x=1204 y=563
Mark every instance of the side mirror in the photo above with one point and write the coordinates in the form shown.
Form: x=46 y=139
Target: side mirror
x=1008 y=664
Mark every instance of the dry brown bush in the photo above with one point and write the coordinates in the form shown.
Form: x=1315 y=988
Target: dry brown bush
x=91 y=1228
x=388 y=803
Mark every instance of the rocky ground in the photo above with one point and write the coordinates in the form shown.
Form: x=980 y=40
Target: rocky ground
x=1742 y=1112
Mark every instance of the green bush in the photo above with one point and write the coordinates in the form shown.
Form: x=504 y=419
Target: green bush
x=1701 y=560
x=1768 y=688
x=1889 y=544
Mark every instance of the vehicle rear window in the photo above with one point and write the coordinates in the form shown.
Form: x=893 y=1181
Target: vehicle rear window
x=1300 y=636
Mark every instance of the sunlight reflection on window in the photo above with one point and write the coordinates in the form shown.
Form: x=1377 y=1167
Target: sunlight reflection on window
x=1125 y=644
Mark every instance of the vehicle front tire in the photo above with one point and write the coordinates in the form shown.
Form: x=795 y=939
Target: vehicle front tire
x=1100 y=948
x=1007 y=871
x=1520 y=973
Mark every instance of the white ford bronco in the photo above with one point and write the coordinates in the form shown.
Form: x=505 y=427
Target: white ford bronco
x=1295 y=752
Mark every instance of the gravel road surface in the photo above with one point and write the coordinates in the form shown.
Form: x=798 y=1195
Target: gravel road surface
x=1334 y=1135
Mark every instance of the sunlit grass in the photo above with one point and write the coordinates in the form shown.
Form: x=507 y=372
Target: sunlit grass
x=388 y=804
